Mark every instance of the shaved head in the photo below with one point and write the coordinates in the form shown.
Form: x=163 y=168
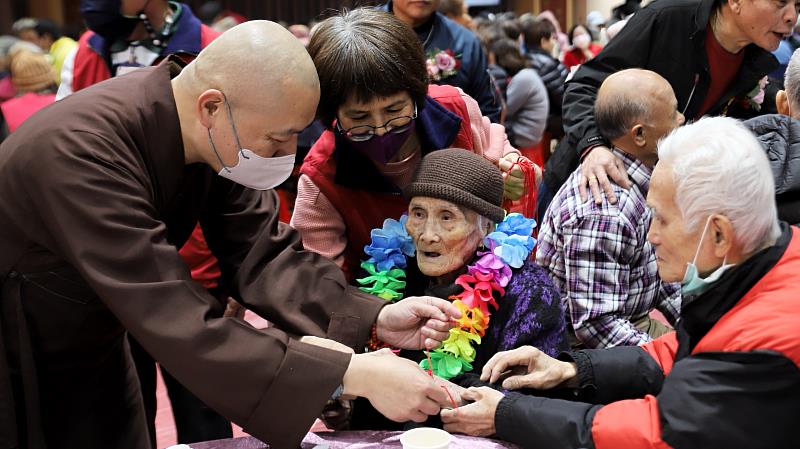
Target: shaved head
x=628 y=97
x=634 y=109
x=253 y=62
x=255 y=87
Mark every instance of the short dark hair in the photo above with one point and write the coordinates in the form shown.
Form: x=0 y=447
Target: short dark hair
x=575 y=27
x=47 y=26
x=507 y=55
x=488 y=34
x=511 y=28
x=615 y=115
x=367 y=53
x=534 y=30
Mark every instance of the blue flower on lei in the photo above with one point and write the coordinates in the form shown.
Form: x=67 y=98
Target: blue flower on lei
x=512 y=249
x=390 y=245
x=516 y=224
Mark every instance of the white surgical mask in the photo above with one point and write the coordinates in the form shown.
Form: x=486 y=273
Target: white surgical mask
x=252 y=170
x=693 y=284
x=582 y=41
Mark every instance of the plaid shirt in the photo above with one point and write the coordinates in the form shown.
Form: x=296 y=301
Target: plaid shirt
x=600 y=259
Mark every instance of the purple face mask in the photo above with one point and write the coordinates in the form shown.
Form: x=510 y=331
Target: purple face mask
x=382 y=149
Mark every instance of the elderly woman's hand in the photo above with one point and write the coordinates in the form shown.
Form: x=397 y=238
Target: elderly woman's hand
x=513 y=176
x=477 y=418
x=528 y=367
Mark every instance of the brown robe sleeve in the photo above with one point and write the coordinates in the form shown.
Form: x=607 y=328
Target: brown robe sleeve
x=97 y=212
x=299 y=291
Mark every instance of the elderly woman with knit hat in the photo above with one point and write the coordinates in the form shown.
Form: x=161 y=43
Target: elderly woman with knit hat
x=456 y=242
x=34 y=79
x=383 y=116
x=460 y=245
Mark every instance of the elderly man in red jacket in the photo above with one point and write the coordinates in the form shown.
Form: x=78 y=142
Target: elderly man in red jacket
x=730 y=375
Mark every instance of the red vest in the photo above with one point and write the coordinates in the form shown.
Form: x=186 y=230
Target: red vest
x=363 y=210
x=17 y=110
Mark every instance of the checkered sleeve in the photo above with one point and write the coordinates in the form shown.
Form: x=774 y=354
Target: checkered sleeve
x=598 y=250
x=669 y=300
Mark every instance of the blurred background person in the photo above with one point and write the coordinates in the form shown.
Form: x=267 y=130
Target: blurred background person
x=583 y=47
x=34 y=81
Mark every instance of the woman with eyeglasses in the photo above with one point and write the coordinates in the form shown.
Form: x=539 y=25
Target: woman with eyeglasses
x=383 y=117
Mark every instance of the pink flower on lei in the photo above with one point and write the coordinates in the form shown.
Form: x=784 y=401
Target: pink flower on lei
x=478 y=291
x=490 y=263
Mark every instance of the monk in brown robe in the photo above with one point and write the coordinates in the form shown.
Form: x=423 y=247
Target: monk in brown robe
x=96 y=193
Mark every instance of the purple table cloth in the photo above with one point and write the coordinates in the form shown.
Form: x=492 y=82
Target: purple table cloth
x=353 y=440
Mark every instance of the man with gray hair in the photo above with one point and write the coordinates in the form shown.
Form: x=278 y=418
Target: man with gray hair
x=598 y=254
x=779 y=134
x=730 y=375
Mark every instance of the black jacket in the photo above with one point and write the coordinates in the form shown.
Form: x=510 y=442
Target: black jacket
x=667 y=37
x=780 y=137
x=740 y=387
x=554 y=76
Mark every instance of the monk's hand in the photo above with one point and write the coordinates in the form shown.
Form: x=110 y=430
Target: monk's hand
x=417 y=322
x=477 y=418
x=398 y=388
x=513 y=177
x=596 y=167
x=528 y=367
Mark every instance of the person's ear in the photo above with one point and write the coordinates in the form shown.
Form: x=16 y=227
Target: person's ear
x=721 y=233
x=638 y=135
x=735 y=5
x=782 y=103
x=210 y=106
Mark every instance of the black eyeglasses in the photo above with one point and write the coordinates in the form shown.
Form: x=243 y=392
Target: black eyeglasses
x=362 y=133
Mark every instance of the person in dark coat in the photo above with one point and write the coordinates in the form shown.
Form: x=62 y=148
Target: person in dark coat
x=779 y=134
x=714 y=53
x=439 y=34
x=540 y=39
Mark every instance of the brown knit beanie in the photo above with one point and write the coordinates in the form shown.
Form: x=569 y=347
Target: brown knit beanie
x=30 y=72
x=463 y=178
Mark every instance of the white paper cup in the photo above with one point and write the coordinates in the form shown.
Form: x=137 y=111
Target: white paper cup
x=425 y=438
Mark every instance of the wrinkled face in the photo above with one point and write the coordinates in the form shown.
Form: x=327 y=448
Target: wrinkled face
x=765 y=22
x=446 y=236
x=414 y=12
x=673 y=244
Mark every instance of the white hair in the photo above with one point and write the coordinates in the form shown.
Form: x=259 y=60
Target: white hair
x=720 y=168
x=485 y=225
x=791 y=81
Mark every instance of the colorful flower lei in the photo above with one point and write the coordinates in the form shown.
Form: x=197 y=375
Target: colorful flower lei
x=442 y=64
x=484 y=283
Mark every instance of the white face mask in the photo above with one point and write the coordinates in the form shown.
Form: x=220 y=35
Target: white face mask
x=252 y=170
x=693 y=284
x=582 y=41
